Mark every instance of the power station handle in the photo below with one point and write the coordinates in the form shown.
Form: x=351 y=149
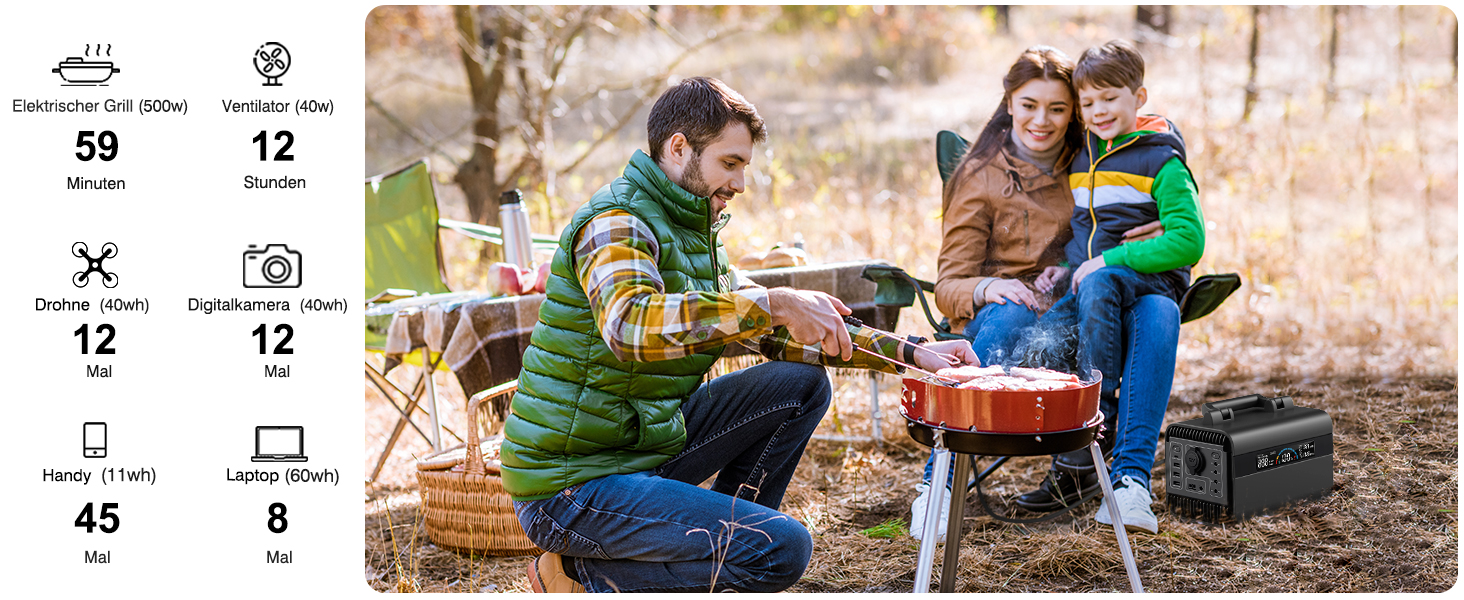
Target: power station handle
x=1224 y=410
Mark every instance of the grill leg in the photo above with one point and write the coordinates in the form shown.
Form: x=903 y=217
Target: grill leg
x=1118 y=529
x=932 y=516
x=953 y=527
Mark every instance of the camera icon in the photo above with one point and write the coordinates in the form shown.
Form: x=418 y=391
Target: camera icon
x=276 y=266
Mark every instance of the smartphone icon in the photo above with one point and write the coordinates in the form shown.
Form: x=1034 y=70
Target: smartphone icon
x=94 y=440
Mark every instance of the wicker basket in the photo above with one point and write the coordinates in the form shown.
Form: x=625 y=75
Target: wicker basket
x=466 y=507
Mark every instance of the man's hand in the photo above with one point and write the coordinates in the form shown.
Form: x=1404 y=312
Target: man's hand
x=1087 y=268
x=1047 y=281
x=812 y=318
x=926 y=359
x=1143 y=232
x=1002 y=290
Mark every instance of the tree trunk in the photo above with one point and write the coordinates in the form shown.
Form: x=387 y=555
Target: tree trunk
x=1331 y=95
x=1252 y=90
x=1154 y=17
x=1003 y=17
x=478 y=176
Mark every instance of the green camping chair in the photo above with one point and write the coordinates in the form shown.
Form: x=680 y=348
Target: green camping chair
x=404 y=260
x=896 y=288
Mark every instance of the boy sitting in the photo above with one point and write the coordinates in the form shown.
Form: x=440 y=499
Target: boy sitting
x=1130 y=171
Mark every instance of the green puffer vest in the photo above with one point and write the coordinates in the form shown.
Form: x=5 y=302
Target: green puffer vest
x=580 y=413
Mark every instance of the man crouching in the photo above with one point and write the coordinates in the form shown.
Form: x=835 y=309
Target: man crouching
x=613 y=428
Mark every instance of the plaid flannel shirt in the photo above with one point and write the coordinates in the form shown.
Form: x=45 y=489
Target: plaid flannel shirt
x=616 y=255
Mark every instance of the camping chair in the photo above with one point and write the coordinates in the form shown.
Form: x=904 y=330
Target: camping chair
x=403 y=260
x=898 y=289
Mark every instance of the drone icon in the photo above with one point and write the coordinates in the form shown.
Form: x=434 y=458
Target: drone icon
x=94 y=265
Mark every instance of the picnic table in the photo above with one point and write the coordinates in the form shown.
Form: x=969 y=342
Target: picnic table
x=481 y=339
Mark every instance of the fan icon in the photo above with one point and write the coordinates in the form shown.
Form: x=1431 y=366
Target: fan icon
x=272 y=60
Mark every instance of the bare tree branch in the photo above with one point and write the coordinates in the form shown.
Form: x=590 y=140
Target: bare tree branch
x=411 y=133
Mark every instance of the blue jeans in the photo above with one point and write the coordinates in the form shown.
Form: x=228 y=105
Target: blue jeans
x=1130 y=347
x=1097 y=311
x=656 y=531
x=1151 y=330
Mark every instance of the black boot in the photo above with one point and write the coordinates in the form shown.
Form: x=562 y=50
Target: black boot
x=1071 y=477
x=1082 y=458
x=1061 y=488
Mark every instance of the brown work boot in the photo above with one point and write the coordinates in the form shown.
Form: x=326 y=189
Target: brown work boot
x=547 y=576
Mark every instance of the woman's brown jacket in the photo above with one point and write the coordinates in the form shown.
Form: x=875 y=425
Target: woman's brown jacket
x=1004 y=220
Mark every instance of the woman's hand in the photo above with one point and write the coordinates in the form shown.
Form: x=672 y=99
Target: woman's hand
x=1087 y=268
x=926 y=359
x=1143 y=232
x=1002 y=290
x=1047 y=281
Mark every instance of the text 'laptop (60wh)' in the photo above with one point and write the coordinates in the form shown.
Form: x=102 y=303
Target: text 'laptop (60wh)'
x=279 y=444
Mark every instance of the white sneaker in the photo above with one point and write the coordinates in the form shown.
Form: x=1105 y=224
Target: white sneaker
x=917 y=514
x=1133 y=507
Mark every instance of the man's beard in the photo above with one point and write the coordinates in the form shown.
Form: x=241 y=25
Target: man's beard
x=692 y=181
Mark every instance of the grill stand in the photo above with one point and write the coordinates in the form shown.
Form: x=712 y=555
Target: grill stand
x=969 y=444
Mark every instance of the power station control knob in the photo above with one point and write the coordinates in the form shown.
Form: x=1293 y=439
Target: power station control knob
x=1194 y=461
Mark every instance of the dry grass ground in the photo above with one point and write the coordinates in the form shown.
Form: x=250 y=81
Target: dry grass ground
x=1340 y=213
x=1389 y=524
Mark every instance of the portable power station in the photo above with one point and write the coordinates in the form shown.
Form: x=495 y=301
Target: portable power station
x=1247 y=455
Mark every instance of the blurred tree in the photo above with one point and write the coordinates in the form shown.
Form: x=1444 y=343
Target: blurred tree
x=1252 y=90
x=1001 y=17
x=486 y=73
x=1156 y=18
x=516 y=69
x=1331 y=93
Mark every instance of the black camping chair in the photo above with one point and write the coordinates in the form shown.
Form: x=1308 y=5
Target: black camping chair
x=897 y=289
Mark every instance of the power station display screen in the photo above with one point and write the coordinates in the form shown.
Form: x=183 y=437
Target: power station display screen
x=1281 y=456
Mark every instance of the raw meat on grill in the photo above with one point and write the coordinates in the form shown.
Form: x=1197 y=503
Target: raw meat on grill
x=1021 y=379
x=969 y=372
x=1043 y=374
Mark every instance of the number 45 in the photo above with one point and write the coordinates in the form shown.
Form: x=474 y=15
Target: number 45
x=85 y=521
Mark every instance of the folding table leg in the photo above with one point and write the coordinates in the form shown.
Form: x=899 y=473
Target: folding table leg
x=953 y=527
x=403 y=415
x=874 y=409
x=1118 y=529
x=427 y=368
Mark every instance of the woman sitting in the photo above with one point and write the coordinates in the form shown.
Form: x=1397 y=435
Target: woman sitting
x=1006 y=213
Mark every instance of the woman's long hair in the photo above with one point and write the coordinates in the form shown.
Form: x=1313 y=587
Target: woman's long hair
x=1037 y=62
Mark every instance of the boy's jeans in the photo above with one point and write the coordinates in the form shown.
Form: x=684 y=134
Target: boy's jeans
x=657 y=531
x=1103 y=310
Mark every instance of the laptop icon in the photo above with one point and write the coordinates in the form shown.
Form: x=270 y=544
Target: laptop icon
x=279 y=443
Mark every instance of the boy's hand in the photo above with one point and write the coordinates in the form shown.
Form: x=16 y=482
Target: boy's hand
x=1047 y=281
x=1143 y=232
x=958 y=348
x=1087 y=268
x=1002 y=290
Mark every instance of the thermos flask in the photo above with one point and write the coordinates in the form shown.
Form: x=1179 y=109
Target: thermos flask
x=517 y=241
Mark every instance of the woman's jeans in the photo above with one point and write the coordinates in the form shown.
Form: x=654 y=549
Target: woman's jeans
x=1150 y=339
x=656 y=531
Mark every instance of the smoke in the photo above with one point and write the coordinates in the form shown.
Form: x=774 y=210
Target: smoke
x=1047 y=345
x=88 y=50
x=99 y=50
